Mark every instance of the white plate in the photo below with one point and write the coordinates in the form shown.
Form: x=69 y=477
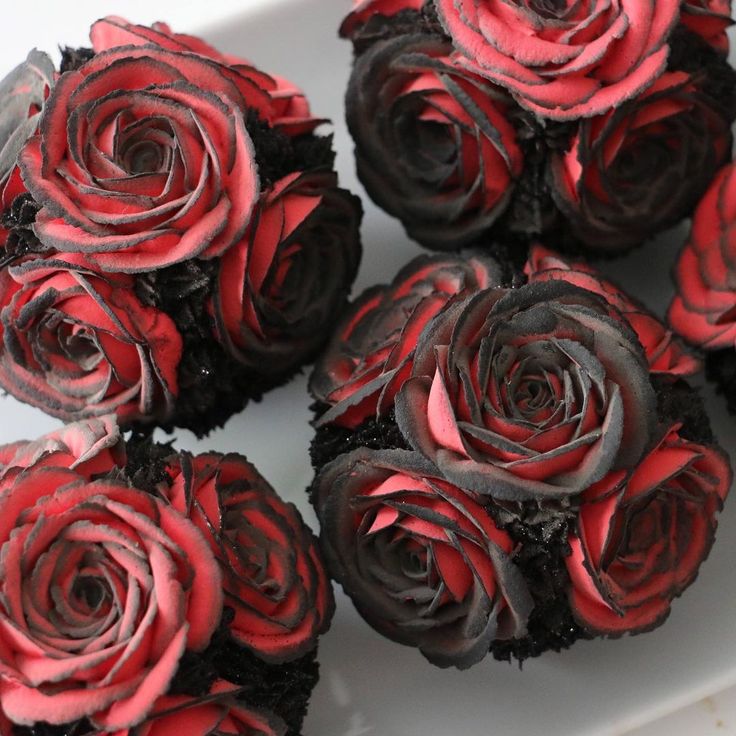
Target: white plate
x=370 y=685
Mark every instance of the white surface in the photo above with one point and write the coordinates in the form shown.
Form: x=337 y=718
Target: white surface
x=369 y=685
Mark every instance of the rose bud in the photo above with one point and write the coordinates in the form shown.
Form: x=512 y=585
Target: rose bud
x=143 y=159
x=636 y=170
x=709 y=19
x=23 y=96
x=219 y=712
x=433 y=143
x=423 y=561
x=102 y=589
x=272 y=573
x=528 y=394
x=90 y=448
x=364 y=10
x=76 y=343
x=564 y=60
x=665 y=353
x=641 y=538
x=371 y=351
x=280 y=288
x=289 y=108
x=704 y=308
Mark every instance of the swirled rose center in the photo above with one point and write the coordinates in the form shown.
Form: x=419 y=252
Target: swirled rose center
x=549 y=9
x=145 y=147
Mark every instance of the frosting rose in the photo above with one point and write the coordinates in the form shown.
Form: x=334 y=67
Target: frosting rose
x=665 y=353
x=422 y=560
x=102 y=588
x=364 y=10
x=91 y=447
x=530 y=393
x=218 y=712
x=709 y=19
x=281 y=286
x=143 y=159
x=433 y=143
x=641 y=539
x=23 y=96
x=370 y=354
x=289 y=109
x=635 y=170
x=704 y=308
x=76 y=343
x=564 y=60
x=273 y=575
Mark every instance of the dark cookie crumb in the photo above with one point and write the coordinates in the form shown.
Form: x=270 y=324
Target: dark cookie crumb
x=720 y=368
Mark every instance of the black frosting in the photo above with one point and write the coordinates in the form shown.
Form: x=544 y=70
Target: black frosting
x=720 y=367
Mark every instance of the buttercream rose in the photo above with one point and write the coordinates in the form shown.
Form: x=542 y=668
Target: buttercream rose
x=564 y=60
x=665 y=353
x=283 y=284
x=433 y=143
x=637 y=169
x=709 y=19
x=641 y=538
x=76 y=343
x=422 y=560
x=23 y=96
x=217 y=712
x=273 y=575
x=704 y=308
x=370 y=354
x=364 y=10
x=530 y=393
x=289 y=109
x=143 y=159
x=91 y=447
x=102 y=588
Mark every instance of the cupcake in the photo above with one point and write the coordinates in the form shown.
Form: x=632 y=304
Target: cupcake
x=145 y=590
x=476 y=120
x=168 y=214
x=508 y=469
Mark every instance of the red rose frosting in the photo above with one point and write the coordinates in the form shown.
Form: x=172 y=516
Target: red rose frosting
x=704 y=308
x=77 y=343
x=371 y=351
x=289 y=107
x=272 y=572
x=709 y=19
x=641 y=538
x=639 y=168
x=99 y=598
x=219 y=713
x=434 y=144
x=564 y=60
x=529 y=393
x=364 y=10
x=283 y=283
x=90 y=448
x=664 y=352
x=143 y=159
x=421 y=559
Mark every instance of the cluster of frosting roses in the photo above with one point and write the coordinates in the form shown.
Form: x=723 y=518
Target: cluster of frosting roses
x=456 y=417
x=120 y=601
x=167 y=216
x=605 y=121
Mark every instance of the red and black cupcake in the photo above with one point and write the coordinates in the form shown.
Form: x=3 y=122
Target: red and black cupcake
x=593 y=126
x=168 y=214
x=509 y=469
x=145 y=591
